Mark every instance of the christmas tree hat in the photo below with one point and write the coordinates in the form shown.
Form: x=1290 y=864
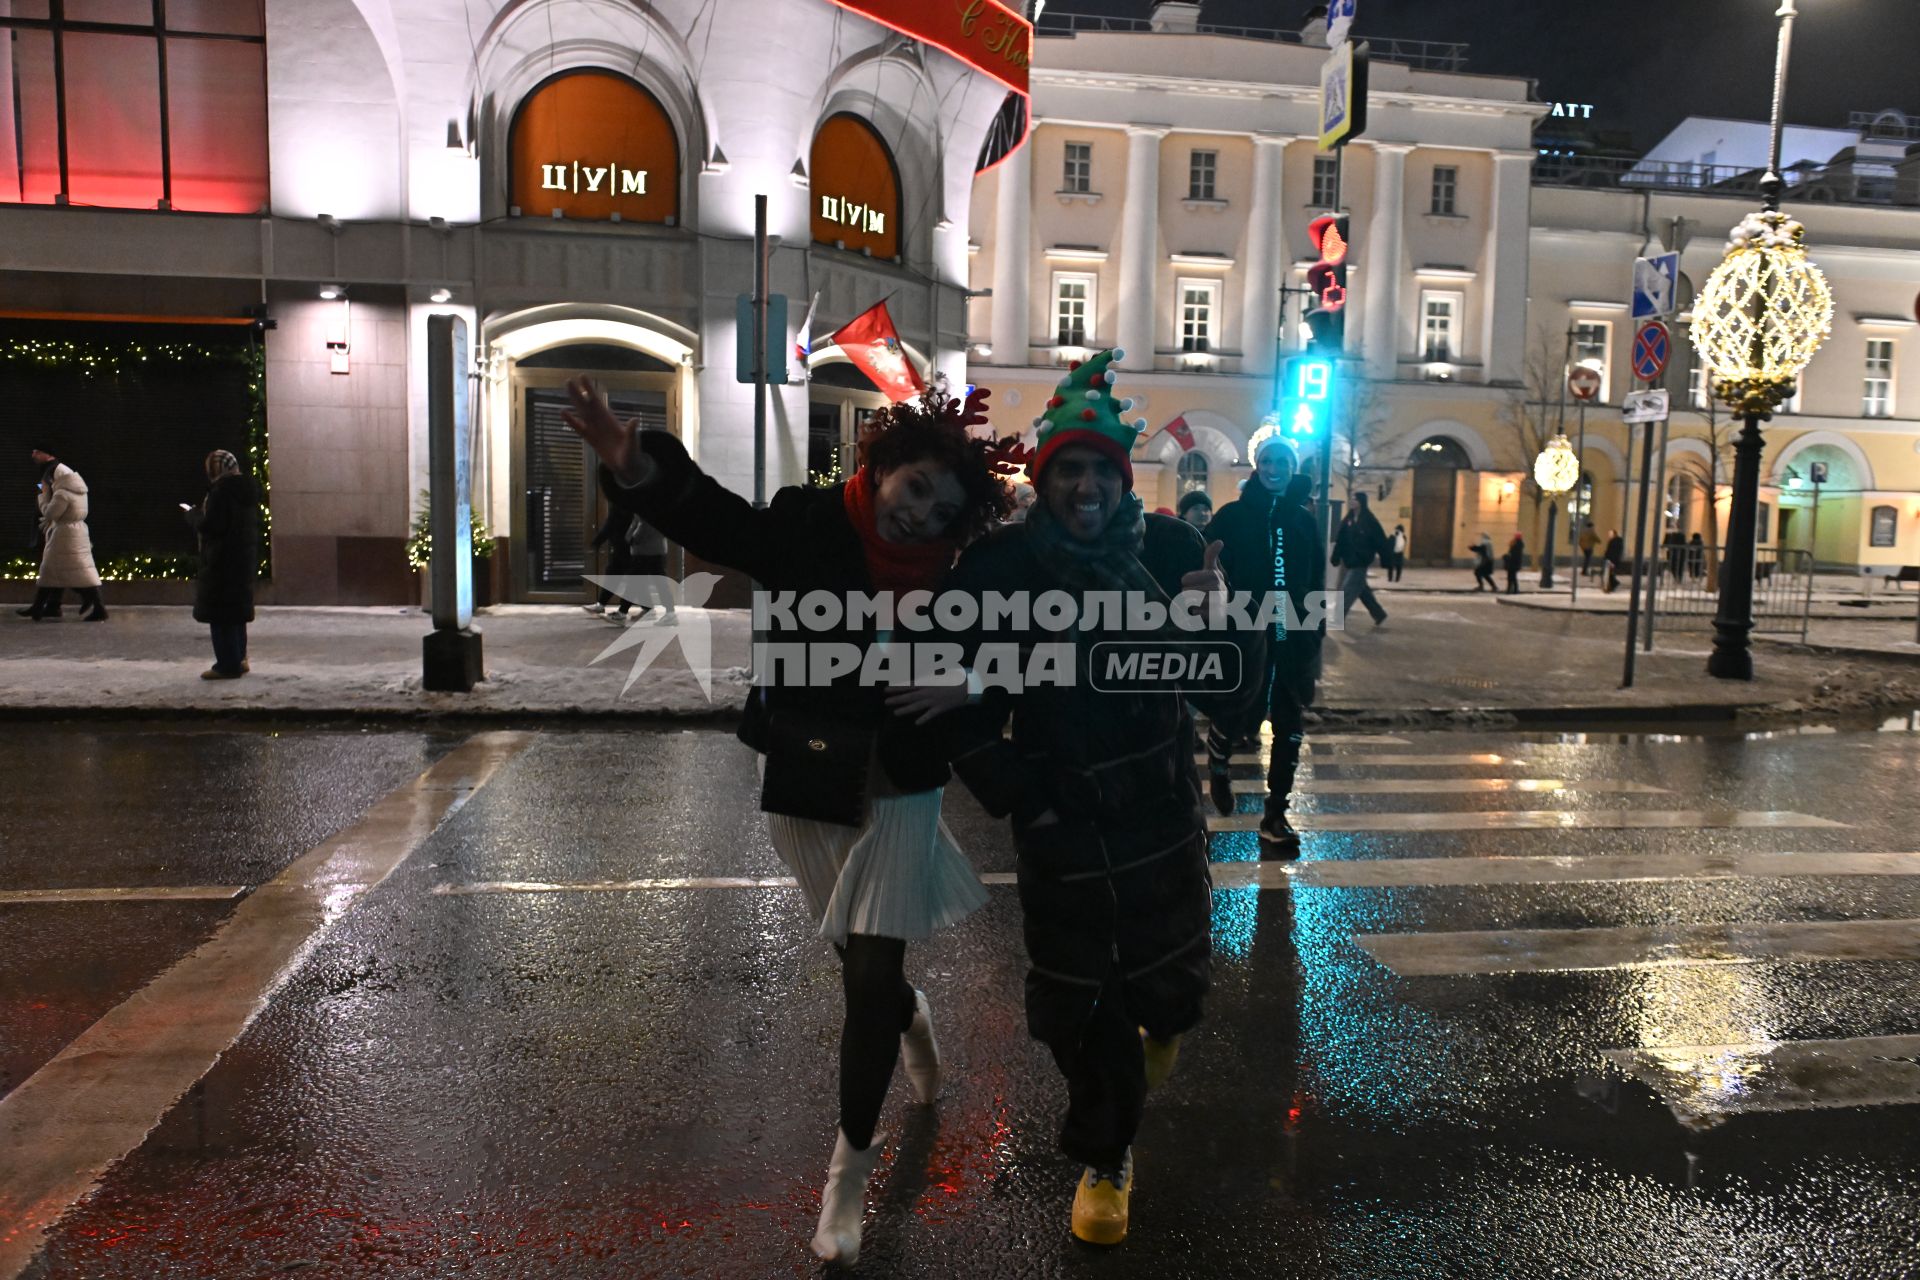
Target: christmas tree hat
x=1083 y=410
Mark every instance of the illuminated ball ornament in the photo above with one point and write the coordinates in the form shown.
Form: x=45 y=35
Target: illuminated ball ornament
x=1557 y=469
x=1762 y=315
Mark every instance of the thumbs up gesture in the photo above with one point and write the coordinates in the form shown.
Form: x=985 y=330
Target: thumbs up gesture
x=1207 y=578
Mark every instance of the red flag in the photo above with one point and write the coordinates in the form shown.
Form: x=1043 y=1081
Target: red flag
x=870 y=342
x=1180 y=431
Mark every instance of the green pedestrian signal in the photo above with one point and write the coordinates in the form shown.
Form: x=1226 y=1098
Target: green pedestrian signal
x=1306 y=397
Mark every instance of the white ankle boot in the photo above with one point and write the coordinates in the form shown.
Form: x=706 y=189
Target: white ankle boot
x=919 y=1054
x=843 y=1204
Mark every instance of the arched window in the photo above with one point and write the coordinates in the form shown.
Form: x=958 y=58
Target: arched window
x=855 y=187
x=1440 y=451
x=1193 y=472
x=593 y=144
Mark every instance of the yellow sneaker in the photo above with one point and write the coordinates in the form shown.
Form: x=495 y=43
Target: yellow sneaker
x=1161 y=1055
x=1100 y=1204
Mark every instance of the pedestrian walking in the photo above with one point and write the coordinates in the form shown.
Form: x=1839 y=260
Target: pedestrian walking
x=1483 y=564
x=1614 y=557
x=1196 y=508
x=1101 y=789
x=852 y=793
x=1270 y=542
x=1513 y=562
x=1589 y=543
x=1675 y=547
x=227 y=524
x=66 y=554
x=1396 y=557
x=612 y=534
x=1355 y=546
x=1696 y=556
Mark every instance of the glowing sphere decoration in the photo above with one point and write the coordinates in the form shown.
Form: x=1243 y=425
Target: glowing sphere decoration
x=1763 y=314
x=1557 y=469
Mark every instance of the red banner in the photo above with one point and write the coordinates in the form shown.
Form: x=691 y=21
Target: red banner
x=984 y=34
x=871 y=344
x=1180 y=431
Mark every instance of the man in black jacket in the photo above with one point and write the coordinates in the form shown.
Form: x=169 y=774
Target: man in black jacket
x=1101 y=786
x=1359 y=542
x=1271 y=543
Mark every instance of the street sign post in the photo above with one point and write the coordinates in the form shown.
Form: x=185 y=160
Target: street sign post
x=1645 y=406
x=1339 y=21
x=1652 y=345
x=1343 y=95
x=1584 y=382
x=1656 y=286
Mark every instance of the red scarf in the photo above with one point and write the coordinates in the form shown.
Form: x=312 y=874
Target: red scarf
x=894 y=566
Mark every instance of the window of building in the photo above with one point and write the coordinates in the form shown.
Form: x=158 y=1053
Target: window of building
x=1696 y=378
x=1078 y=174
x=134 y=104
x=1885 y=528
x=1073 y=299
x=1879 y=391
x=1192 y=471
x=1325 y=176
x=591 y=144
x=1439 y=323
x=1201 y=168
x=855 y=188
x=1446 y=183
x=1592 y=340
x=1199 y=304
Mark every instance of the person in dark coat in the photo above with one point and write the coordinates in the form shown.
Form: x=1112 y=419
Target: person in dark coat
x=612 y=534
x=1101 y=789
x=851 y=788
x=1696 y=555
x=1615 y=557
x=1675 y=547
x=1483 y=564
x=227 y=523
x=1513 y=562
x=1359 y=541
x=1272 y=542
x=1196 y=508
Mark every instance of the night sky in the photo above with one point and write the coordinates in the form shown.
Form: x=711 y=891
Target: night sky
x=1645 y=64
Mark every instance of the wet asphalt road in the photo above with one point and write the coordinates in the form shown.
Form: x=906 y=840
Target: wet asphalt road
x=485 y=1067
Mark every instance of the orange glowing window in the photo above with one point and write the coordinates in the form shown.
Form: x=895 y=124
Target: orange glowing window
x=100 y=104
x=855 y=188
x=592 y=144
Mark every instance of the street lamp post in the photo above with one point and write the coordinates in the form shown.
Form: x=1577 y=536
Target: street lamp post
x=1758 y=322
x=1556 y=470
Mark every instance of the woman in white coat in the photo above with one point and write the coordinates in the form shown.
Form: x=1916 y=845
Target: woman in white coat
x=67 y=558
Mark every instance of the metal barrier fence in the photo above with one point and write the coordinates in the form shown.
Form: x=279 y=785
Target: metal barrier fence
x=1686 y=595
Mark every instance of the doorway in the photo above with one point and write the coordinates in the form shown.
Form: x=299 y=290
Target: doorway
x=1437 y=463
x=556 y=476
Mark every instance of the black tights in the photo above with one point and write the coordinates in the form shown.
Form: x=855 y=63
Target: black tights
x=879 y=1007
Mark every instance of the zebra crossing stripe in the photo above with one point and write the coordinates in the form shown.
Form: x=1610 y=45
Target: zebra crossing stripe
x=1702 y=1084
x=144 y=893
x=1534 y=820
x=1416 y=955
x=1369 y=760
x=1450 y=786
x=1315 y=741
x=1386 y=873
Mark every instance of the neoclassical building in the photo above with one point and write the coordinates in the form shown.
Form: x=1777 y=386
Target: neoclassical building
x=283 y=192
x=1162 y=204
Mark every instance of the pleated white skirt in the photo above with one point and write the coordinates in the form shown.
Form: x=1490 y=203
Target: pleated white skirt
x=901 y=875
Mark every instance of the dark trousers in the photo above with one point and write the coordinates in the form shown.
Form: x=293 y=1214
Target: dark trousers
x=1482 y=579
x=1284 y=703
x=1106 y=1075
x=1586 y=564
x=229 y=645
x=620 y=564
x=1513 y=582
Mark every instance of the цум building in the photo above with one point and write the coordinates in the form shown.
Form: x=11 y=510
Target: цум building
x=576 y=179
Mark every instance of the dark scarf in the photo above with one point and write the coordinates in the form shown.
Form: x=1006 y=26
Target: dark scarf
x=1110 y=562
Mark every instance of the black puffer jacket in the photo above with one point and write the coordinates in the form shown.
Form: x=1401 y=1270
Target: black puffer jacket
x=1120 y=881
x=801 y=541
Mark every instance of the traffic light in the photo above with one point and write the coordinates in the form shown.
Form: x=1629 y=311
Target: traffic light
x=1327 y=278
x=1306 y=398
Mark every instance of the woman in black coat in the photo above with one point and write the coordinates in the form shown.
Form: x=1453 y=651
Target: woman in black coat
x=228 y=525
x=1513 y=562
x=852 y=790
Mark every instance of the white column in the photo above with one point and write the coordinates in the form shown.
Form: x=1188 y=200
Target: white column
x=1266 y=259
x=1012 y=257
x=1504 y=295
x=1383 y=259
x=1140 y=246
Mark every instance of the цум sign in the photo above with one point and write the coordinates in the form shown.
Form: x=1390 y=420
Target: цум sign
x=851 y=213
x=591 y=178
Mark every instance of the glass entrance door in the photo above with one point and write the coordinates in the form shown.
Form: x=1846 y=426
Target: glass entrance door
x=560 y=498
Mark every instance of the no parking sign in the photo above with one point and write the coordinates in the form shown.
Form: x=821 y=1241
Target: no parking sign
x=1651 y=347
